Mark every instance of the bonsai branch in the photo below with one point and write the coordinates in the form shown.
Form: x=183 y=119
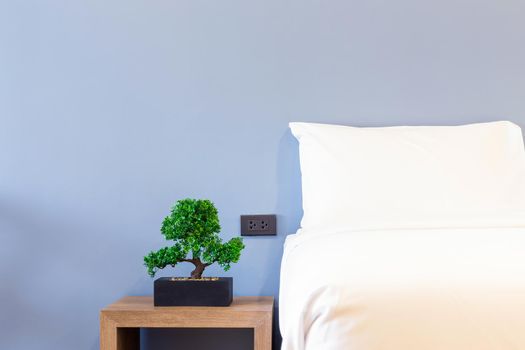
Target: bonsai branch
x=199 y=267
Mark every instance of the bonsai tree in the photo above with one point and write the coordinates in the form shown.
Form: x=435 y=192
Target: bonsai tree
x=194 y=226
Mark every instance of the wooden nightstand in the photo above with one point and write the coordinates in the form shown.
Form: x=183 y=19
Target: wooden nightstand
x=120 y=322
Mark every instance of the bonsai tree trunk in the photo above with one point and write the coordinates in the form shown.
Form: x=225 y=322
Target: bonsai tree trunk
x=199 y=268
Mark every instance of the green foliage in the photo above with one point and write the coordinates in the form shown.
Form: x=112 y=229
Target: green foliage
x=164 y=257
x=223 y=253
x=194 y=226
x=191 y=219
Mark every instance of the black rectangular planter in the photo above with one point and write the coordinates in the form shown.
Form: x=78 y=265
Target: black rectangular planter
x=170 y=291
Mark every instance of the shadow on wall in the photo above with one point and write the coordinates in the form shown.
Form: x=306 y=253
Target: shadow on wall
x=289 y=194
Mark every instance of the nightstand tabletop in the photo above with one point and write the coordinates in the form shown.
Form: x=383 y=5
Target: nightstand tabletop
x=145 y=304
x=120 y=321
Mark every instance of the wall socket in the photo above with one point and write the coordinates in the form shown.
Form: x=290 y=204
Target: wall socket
x=258 y=225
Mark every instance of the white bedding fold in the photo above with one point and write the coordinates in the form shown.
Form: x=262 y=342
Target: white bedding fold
x=440 y=288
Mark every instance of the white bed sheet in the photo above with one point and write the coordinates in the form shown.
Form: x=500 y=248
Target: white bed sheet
x=402 y=289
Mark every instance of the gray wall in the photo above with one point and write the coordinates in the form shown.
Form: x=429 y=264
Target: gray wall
x=110 y=110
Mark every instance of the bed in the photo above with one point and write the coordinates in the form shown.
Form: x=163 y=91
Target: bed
x=391 y=260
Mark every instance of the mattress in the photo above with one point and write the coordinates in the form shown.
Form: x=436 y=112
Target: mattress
x=453 y=288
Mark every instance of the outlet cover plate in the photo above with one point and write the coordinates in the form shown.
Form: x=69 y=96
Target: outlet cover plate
x=259 y=225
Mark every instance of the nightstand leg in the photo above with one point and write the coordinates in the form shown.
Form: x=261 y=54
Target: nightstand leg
x=108 y=334
x=117 y=338
x=262 y=335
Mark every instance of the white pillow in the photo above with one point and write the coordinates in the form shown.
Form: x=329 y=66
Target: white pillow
x=398 y=176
